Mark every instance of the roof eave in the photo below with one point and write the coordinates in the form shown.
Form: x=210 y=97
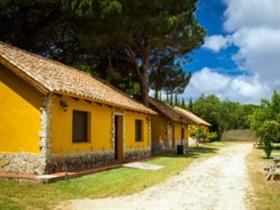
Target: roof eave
x=148 y=111
x=38 y=86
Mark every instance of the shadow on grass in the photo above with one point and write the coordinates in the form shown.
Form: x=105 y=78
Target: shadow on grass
x=276 y=147
x=193 y=153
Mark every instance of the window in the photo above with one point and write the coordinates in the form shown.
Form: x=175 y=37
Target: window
x=80 y=126
x=138 y=130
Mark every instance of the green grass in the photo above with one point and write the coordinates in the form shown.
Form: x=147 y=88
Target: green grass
x=267 y=193
x=122 y=181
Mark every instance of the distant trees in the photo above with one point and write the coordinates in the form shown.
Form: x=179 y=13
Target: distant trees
x=223 y=114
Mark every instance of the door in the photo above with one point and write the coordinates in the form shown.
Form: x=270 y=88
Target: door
x=173 y=136
x=182 y=135
x=118 y=137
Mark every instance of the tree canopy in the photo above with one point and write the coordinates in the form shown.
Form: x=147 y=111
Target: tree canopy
x=223 y=114
x=268 y=111
x=115 y=39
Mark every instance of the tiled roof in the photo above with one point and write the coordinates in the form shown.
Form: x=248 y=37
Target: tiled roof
x=192 y=116
x=49 y=76
x=167 y=110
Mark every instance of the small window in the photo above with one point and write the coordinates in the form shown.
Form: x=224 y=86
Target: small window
x=80 y=126
x=138 y=130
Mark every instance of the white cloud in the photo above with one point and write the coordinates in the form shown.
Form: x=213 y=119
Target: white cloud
x=208 y=81
x=216 y=42
x=251 y=14
x=259 y=51
x=245 y=89
x=253 y=26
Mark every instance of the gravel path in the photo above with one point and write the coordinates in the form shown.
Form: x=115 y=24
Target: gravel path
x=220 y=182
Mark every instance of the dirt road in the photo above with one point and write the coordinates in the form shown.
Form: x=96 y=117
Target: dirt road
x=219 y=183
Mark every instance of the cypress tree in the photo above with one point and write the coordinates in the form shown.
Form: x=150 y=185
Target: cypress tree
x=190 y=104
x=183 y=105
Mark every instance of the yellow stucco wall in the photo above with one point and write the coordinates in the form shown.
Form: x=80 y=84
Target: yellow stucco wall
x=178 y=132
x=100 y=127
x=20 y=114
x=159 y=135
x=130 y=142
x=20 y=122
x=158 y=126
x=61 y=126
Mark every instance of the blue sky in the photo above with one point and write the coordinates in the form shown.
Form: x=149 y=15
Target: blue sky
x=210 y=16
x=238 y=60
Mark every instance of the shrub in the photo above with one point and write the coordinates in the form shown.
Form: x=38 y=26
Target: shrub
x=212 y=136
x=198 y=133
x=269 y=132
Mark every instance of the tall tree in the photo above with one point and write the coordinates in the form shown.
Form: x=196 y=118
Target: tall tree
x=104 y=34
x=169 y=76
x=190 y=104
x=142 y=29
x=183 y=104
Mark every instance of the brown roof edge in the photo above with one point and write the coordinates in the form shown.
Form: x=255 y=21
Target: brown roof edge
x=47 y=88
x=44 y=90
x=149 y=111
x=38 y=86
x=193 y=117
x=178 y=117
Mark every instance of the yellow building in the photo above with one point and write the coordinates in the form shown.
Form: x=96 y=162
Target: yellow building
x=56 y=118
x=195 y=120
x=169 y=128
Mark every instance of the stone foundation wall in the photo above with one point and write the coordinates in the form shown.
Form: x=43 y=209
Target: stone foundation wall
x=137 y=154
x=35 y=164
x=22 y=163
x=166 y=145
x=79 y=161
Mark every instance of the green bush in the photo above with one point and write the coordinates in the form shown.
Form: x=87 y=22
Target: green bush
x=269 y=132
x=199 y=133
x=212 y=136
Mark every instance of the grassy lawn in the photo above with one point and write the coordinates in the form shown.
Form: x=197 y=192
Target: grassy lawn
x=14 y=195
x=267 y=193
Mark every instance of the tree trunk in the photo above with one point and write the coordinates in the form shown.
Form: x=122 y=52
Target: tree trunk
x=144 y=78
x=142 y=72
x=144 y=88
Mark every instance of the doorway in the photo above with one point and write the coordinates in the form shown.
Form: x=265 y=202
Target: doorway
x=118 y=134
x=173 y=136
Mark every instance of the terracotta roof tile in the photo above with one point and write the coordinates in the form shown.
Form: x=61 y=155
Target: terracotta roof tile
x=50 y=76
x=192 y=116
x=167 y=110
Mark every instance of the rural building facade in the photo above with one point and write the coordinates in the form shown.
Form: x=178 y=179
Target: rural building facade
x=195 y=121
x=169 y=127
x=56 y=118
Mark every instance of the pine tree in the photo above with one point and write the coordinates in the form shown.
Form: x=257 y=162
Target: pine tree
x=190 y=104
x=156 y=95
x=176 y=103
x=171 y=100
x=183 y=105
x=167 y=98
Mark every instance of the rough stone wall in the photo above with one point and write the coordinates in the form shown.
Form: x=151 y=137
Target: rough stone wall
x=239 y=135
x=79 y=161
x=137 y=154
x=22 y=163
